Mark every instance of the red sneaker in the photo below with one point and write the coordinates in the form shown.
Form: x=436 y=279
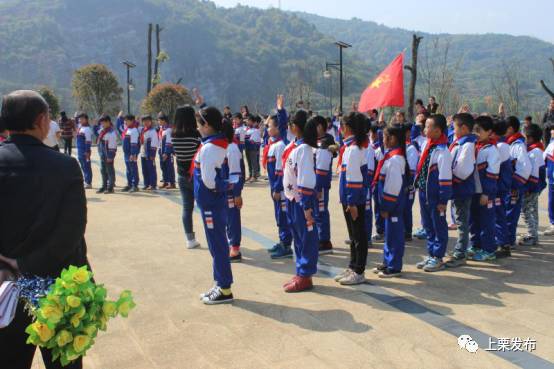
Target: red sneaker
x=292 y=280
x=300 y=284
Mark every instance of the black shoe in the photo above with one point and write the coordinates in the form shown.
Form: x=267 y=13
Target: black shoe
x=379 y=268
x=216 y=296
x=236 y=259
x=101 y=190
x=126 y=189
x=109 y=191
x=325 y=247
x=408 y=237
x=504 y=252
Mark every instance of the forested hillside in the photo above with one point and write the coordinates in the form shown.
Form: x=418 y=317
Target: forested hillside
x=245 y=55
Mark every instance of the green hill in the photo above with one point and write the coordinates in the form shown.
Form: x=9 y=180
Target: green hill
x=235 y=56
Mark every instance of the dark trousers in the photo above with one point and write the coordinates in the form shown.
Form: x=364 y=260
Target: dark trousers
x=215 y=221
x=187 y=197
x=131 y=170
x=358 y=235
x=107 y=171
x=149 y=174
x=16 y=354
x=253 y=158
x=67 y=145
x=86 y=168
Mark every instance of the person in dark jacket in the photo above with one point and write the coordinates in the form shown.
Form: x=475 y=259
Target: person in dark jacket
x=42 y=191
x=549 y=115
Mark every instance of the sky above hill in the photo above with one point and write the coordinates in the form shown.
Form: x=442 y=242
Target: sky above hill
x=515 y=17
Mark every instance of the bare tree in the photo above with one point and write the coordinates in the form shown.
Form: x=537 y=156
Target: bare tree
x=438 y=73
x=413 y=72
x=544 y=86
x=507 y=86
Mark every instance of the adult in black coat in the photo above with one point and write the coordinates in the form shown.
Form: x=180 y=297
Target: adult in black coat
x=43 y=213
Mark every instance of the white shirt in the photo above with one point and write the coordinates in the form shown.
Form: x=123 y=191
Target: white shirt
x=51 y=140
x=299 y=172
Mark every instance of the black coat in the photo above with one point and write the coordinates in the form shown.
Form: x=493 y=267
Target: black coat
x=43 y=209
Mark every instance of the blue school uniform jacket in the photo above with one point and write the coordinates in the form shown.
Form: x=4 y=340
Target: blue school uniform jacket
x=107 y=144
x=84 y=141
x=211 y=173
x=438 y=185
x=353 y=179
x=520 y=162
x=323 y=162
x=131 y=141
x=488 y=169
x=549 y=160
x=236 y=172
x=537 y=178
x=391 y=183
x=463 y=166
x=504 y=184
x=166 y=146
x=299 y=174
x=275 y=164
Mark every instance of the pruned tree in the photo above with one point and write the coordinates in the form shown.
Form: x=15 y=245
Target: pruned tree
x=413 y=73
x=507 y=86
x=53 y=102
x=166 y=97
x=161 y=56
x=96 y=89
x=544 y=86
x=438 y=73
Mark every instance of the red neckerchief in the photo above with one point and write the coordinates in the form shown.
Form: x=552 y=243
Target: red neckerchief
x=481 y=145
x=388 y=155
x=266 y=151
x=103 y=133
x=341 y=152
x=132 y=125
x=430 y=143
x=453 y=145
x=513 y=137
x=217 y=140
x=161 y=133
x=287 y=152
x=144 y=130
x=536 y=145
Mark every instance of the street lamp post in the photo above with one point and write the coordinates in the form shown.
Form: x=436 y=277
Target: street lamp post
x=341 y=45
x=129 y=65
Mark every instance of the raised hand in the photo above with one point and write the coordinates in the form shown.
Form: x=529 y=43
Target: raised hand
x=280 y=102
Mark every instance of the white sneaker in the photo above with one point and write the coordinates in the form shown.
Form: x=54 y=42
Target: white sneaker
x=192 y=244
x=353 y=279
x=549 y=231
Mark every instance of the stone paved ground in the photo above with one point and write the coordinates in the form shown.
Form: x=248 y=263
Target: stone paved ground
x=136 y=242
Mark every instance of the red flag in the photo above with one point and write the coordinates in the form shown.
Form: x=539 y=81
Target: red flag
x=385 y=90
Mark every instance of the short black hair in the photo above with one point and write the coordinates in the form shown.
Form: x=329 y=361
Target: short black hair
x=211 y=116
x=130 y=117
x=439 y=121
x=83 y=115
x=534 y=131
x=419 y=102
x=375 y=111
x=529 y=118
x=146 y=117
x=104 y=118
x=485 y=122
x=20 y=110
x=513 y=122
x=237 y=115
x=320 y=121
x=251 y=118
x=465 y=119
x=499 y=127
x=228 y=130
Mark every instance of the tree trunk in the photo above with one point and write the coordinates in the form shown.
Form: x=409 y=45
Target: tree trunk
x=548 y=91
x=149 y=70
x=413 y=72
x=156 y=61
